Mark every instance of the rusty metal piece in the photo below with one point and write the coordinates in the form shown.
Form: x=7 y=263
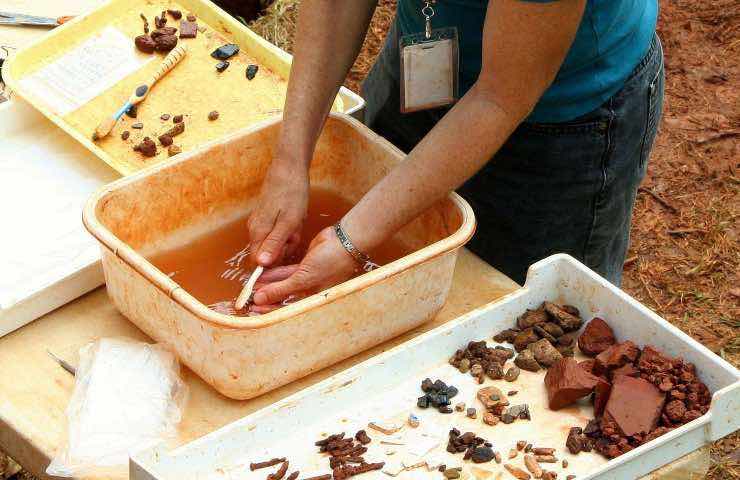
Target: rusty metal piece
x=546 y=458
x=268 y=463
x=280 y=473
x=543 y=451
x=362 y=437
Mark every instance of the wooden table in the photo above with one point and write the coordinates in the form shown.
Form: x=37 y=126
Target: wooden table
x=34 y=389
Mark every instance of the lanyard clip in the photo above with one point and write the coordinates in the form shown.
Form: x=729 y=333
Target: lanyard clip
x=428 y=12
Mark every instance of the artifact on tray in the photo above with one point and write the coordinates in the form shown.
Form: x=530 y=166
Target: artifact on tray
x=475 y=448
x=173 y=150
x=213 y=115
x=566 y=382
x=437 y=395
x=650 y=394
x=345 y=454
x=526 y=361
x=252 y=71
x=147 y=147
x=165 y=43
x=479 y=359
x=222 y=65
x=161 y=32
x=596 y=337
x=145 y=44
x=545 y=354
x=176 y=14
x=225 y=52
x=188 y=29
x=176 y=130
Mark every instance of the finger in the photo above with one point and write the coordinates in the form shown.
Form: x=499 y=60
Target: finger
x=277 y=274
x=273 y=244
x=276 y=292
x=259 y=227
x=291 y=246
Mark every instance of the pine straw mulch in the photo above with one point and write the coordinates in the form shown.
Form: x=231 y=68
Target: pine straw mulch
x=684 y=255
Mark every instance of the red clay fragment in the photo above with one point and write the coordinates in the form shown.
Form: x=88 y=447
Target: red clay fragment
x=626 y=369
x=616 y=356
x=634 y=405
x=596 y=337
x=566 y=382
x=601 y=396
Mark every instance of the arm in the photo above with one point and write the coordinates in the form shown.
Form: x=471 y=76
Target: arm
x=323 y=56
x=524 y=44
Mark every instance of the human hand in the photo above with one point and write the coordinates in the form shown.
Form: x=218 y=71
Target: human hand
x=277 y=218
x=326 y=264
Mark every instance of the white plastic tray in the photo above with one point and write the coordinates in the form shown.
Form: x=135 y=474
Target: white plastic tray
x=388 y=384
x=46 y=257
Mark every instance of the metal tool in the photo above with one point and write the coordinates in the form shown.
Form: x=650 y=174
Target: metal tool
x=62 y=363
x=10 y=18
x=140 y=92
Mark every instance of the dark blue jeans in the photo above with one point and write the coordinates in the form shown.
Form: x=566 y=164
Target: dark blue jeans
x=552 y=188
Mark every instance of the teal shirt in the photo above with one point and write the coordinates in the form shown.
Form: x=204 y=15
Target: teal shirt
x=611 y=40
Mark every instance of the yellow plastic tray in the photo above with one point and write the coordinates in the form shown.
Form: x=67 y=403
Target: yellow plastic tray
x=193 y=88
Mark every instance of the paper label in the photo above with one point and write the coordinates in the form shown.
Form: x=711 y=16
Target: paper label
x=85 y=72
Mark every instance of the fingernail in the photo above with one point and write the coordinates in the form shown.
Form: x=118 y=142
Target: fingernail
x=264 y=257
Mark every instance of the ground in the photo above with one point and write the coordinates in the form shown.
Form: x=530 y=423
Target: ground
x=684 y=254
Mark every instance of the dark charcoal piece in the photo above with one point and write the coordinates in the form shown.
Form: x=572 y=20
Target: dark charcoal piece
x=177 y=119
x=221 y=66
x=422 y=402
x=176 y=14
x=445 y=409
x=138 y=126
x=132 y=111
x=482 y=455
x=451 y=391
x=164 y=116
x=440 y=386
x=125 y=135
x=252 y=71
x=224 y=52
x=427 y=385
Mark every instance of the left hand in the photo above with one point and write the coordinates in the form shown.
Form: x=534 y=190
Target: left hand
x=326 y=264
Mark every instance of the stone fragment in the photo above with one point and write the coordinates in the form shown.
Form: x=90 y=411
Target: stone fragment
x=532 y=465
x=596 y=337
x=565 y=350
x=452 y=473
x=471 y=413
x=543 y=351
x=675 y=410
x=567 y=382
x=490 y=419
x=188 y=29
x=165 y=43
x=512 y=453
x=560 y=315
x=224 y=52
x=147 y=147
x=222 y=65
x=634 y=406
x=517 y=472
x=165 y=140
x=531 y=318
x=476 y=370
x=526 y=361
x=482 y=455
x=616 y=356
x=653 y=360
x=163 y=31
x=512 y=374
x=506 y=335
x=145 y=44
x=524 y=338
x=575 y=440
x=601 y=396
x=460 y=407
x=213 y=115
x=464 y=365
x=626 y=369
x=495 y=372
x=125 y=134
x=521 y=444
x=251 y=71
x=546 y=458
x=567 y=339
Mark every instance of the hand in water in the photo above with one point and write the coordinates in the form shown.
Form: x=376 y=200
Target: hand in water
x=277 y=218
x=326 y=264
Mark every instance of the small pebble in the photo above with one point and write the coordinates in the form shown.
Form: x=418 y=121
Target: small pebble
x=165 y=140
x=460 y=407
x=528 y=448
x=177 y=119
x=125 y=135
x=173 y=150
x=512 y=453
x=222 y=65
x=213 y=115
x=452 y=473
x=251 y=71
x=464 y=365
x=490 y=419
x=511 y=393
x=512 y=374
x=413 y=420
x=521 y=444
x=497 y=457
x=565 y=463
x=165 y=116
x=471 y=413
x=445 y=409
x=138 y=126
x=532 y=465
x=476 y=370
x=191 y=17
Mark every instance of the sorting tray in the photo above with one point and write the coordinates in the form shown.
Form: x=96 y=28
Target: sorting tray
x=385 y=388
x=82 y=72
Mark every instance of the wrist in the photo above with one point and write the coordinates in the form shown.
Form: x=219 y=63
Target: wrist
x=365 y=237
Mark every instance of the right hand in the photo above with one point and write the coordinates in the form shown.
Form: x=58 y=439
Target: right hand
x=277 y=218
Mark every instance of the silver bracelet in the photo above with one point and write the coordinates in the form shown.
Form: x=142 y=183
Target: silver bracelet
x=360 y=257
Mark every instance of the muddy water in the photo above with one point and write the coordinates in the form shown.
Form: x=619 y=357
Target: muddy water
x=214 y=267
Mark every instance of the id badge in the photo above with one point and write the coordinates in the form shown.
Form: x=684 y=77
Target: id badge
x=429 y=69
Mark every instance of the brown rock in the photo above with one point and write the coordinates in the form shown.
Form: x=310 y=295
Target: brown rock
x=145 y=44
x=560 y=315
x=676 y=411
x=601 y=396
x=176 y=14
x=490 y=419
x=626 y=369
x=544 y=352
x=165 y=43
x=654 y=361
x=553 y=329
x=566 y=382
x=506 y=335
x=173 y=150
x=491 y=397
x=596 y=337
x=525 y=360
x=163 y=31
x=176 y=130
x=616 y=356
x=188 y=29
x=165 y=140
x=495 y=372
x=125 y=134
x=147 y=147
x=213 y=115
x=587 y=365
x=512 y=374
x=568 y=339
x=566 y=351
x=634 y=405
x=531 y=318
x=544 y=334
x=524 y=338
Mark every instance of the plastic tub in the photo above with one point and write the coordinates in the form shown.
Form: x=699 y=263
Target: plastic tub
x=243 y=357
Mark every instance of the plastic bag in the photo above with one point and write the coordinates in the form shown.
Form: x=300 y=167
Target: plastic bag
x=128 y=397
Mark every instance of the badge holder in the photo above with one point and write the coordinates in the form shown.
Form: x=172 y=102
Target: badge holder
x=429 y=66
